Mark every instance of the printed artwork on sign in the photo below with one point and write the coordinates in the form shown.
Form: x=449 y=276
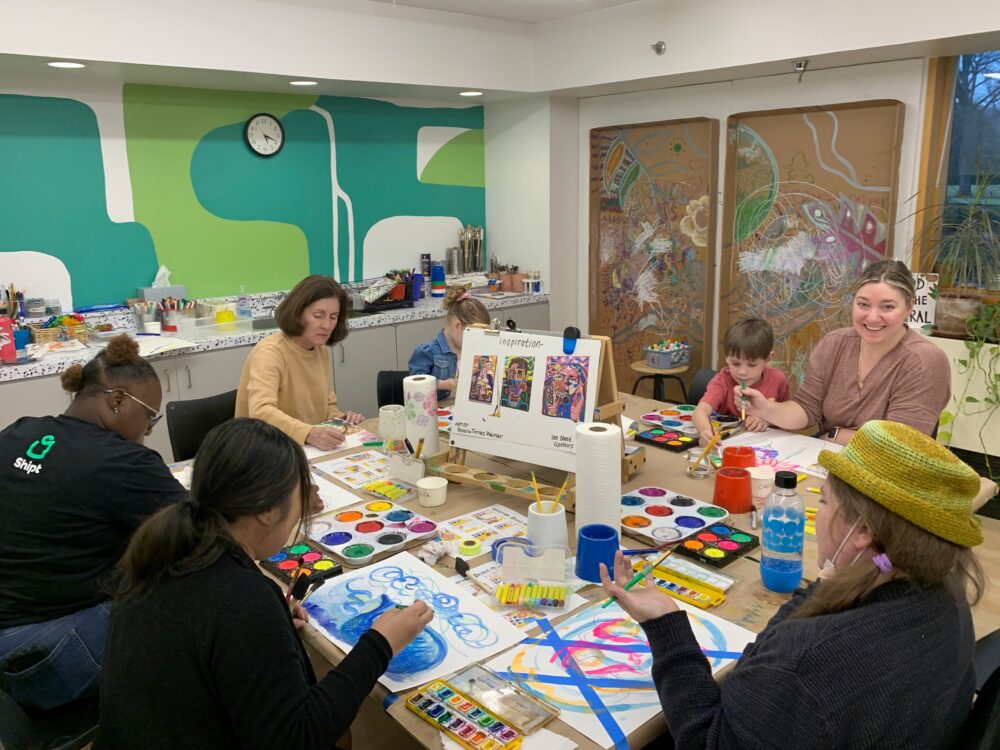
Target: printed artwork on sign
x=484 y=370
x=565 y=391
x=518 y=373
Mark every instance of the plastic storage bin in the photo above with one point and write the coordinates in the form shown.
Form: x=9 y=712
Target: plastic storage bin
x=670 y=358
x=193 y=329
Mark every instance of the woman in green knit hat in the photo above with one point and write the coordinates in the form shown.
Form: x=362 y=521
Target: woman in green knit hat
x=876 y=654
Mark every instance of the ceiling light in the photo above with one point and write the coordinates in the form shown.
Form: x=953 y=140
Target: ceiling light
x=65 y=64
x=302 y=83
x=470 y=93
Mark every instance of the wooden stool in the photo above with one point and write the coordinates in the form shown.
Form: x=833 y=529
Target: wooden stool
x=659 y=375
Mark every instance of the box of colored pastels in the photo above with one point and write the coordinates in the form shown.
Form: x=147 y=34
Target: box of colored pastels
x=390 y=489
x=311 y=558
x=718 y=545
x=667 y=439
x=661 y=515
x=462 y=718
x=365 y=533
x=532 y=595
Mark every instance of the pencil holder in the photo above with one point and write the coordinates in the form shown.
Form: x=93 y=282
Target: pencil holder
x=547 y=528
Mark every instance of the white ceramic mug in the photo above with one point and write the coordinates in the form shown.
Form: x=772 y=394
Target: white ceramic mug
x=547 y=529
x=391 y=422
x=761 y=484
x=432 y=491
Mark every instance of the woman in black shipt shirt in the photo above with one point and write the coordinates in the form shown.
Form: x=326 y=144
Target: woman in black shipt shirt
x=73 y=488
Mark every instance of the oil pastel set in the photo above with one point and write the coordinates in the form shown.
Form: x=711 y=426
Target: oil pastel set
x=718 y=545
x=355 y=471
x=390 y=489
x=360 y=535
x=462 y=718
x=658 y=514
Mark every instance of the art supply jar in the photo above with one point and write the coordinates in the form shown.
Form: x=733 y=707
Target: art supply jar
x=547 y=527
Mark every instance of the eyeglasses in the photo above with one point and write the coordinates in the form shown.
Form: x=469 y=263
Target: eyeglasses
x=152 y=420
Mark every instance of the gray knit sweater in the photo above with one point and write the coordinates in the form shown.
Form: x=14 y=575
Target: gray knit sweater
x=894 y=672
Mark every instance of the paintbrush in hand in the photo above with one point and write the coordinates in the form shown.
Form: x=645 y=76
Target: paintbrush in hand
x=649 y=568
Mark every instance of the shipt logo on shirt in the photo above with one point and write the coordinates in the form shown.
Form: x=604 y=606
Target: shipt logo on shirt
x=37 y=450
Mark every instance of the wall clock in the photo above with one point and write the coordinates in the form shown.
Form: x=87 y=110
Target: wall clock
x=264 y=134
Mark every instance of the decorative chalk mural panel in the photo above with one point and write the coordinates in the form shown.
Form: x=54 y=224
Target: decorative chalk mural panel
x=652 y=236
x=810 y=199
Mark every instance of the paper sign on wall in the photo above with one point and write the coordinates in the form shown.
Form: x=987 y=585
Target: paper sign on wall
x=922 y=314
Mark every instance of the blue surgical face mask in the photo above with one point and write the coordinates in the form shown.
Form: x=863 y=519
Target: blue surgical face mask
x=829 y=566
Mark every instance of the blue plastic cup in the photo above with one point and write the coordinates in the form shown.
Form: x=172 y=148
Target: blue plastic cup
x=595 y=544
x=22 y=336
x=418 y=286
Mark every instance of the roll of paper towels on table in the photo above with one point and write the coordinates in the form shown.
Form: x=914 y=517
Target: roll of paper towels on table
x=598 y=474
x=420 y=405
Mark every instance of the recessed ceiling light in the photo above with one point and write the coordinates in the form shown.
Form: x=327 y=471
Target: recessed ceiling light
x=470 y=93
x=65 y=64
x=302 y=83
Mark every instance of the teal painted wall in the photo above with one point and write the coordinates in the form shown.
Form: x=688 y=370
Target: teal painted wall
x=217 y=215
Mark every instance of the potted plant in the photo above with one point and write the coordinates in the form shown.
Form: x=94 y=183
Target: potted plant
x=963 y=245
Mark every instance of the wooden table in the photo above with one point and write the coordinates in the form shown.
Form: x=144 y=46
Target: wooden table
x=747 y=604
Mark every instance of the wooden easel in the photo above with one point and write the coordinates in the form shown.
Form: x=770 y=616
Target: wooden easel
x=454 y=467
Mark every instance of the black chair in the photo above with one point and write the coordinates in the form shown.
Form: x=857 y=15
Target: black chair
x=389 y=386
x=698 y=384
x=70 y=727
x=189 y=421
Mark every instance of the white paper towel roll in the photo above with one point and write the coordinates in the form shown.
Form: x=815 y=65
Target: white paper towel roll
x=598 y=474
x=420 y=401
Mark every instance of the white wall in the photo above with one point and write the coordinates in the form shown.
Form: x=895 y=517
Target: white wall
x=613 y=45
x=564 y=170
x=903 y=80
x=517 y=177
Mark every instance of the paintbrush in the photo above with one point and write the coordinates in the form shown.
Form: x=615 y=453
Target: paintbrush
x=298 y=591
x=538 y=497
x=743 y=408
x=650 y=567
x=559 y=496
x=708 y=448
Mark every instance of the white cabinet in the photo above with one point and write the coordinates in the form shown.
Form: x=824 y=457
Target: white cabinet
x=210 y=373
x=37 y=397
x=356 y=363
x=528 y=317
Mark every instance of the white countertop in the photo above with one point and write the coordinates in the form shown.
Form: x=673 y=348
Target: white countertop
x=53 y=364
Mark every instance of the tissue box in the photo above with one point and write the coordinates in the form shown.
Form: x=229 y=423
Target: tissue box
x=156 y=293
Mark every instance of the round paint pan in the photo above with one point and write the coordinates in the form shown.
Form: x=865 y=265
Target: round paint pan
x=689 y=522
x=358 y=554
x=391 y=539
x=682 y=501
x=652 y=419
x=712 y=511
x=651 y=491
x=658 y=511
x=632 y=501
x=336 y=538
x=422 y=528
x=636 y=522
x=349 y=516
x=666 y=534
x=379 y=506
x=399 y=515
x=369 y=527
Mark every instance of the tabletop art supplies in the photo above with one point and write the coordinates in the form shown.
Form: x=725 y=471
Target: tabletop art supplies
x=685 y=570
x=532 y=595
x=499 y=696
x=420 y=411
x=355 y=471
x=566 y=663
x=786 y=451
x=661 y=515
x=463 y=630
x=444 y=419
x=303 y=556
x=668 y=353
x=390 y=489
x=667 y=439
x=718 y=545
x=333 y=496
x=485 y=525
x=598 y=474
x=685 y=589
x=359 y=535
x=644 y=570
x=462 y=718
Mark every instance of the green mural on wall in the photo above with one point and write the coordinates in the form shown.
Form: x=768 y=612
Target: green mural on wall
x=52 y=199
x=376 y=159
x=459 y=162
x=292 y=187
x=209 y=254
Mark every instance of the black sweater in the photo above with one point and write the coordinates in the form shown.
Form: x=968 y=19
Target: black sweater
x=893 y=672
x=212 y=660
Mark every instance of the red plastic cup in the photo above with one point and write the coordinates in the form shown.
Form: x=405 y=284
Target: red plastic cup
x=732 y=490
x=738 y=457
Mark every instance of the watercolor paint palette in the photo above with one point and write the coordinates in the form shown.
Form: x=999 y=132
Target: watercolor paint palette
x=444 y=419
x=311 y=558
x=681 y=419
x=462 y=718
x=667 y=439
x=718 y=545
x=360 y=535
x=661 y=515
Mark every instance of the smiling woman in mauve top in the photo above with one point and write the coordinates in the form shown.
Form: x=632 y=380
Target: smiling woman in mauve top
x=877 y=369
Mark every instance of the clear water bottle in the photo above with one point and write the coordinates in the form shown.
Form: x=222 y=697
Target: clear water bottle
x=243 y=304
x=784 y=533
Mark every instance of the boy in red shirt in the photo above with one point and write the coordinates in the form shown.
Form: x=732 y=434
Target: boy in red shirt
x=748 y=345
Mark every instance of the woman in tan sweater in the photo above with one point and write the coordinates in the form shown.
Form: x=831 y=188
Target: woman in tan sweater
x=876 y=369
x=287 y=379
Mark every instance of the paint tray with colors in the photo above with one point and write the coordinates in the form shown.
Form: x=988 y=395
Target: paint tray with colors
x=444 y=419
x=667 y=439
x=681 y=419
x=463 y=719
x=372 y=531
x=310 y=557
x=718 y=545
x=661 y=515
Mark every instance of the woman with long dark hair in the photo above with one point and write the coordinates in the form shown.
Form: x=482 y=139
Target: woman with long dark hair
x=203 y=650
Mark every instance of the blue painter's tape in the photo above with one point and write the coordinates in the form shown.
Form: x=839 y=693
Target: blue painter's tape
x=390 y=698
x=721 y=654
x=581 y=682
x=551 y=679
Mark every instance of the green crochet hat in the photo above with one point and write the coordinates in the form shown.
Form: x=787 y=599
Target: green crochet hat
x=911 y=474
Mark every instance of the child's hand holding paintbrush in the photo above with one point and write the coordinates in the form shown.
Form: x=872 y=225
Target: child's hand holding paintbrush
x=642 y=602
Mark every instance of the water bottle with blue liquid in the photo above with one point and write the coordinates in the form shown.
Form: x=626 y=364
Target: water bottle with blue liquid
x=784 y=533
